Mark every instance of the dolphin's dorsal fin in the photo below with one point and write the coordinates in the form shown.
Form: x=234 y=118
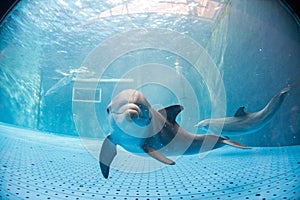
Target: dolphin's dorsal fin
x=240 y=112
x=171 y=112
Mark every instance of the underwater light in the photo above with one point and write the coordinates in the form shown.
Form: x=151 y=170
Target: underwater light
x=202 y=9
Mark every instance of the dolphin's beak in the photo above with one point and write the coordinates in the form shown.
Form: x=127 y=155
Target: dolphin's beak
x=198 y=124
x=144 y=117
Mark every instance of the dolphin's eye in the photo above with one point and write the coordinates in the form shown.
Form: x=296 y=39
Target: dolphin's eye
x=107 y=110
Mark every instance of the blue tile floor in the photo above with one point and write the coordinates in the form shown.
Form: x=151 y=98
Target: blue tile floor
x=35 y=165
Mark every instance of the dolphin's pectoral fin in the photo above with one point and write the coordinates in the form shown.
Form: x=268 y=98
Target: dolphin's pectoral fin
x=171 y=112
x=240 y=112
x=107 y=154
x=235 y=144
x=157 y=155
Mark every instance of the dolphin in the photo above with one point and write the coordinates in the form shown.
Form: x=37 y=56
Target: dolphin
x=243 y=122
x=67 y=79
x=61 y=83
x=141 y=130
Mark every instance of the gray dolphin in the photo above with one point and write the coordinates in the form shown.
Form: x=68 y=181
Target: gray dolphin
x=140 y=129
x=244 y=123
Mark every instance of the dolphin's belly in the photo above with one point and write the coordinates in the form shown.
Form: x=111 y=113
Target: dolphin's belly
x=244 y=125
x=129 y=143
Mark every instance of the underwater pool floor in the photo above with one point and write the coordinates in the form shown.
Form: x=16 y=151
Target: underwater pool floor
x=44 y=166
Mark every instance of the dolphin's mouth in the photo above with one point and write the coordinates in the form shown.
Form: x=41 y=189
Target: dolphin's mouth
x=135 y=112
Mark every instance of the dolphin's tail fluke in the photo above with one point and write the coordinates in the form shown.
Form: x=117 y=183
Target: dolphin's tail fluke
x=234 y=144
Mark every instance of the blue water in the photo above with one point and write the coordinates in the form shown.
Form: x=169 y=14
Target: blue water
x=62 y=61
x=42 y=45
